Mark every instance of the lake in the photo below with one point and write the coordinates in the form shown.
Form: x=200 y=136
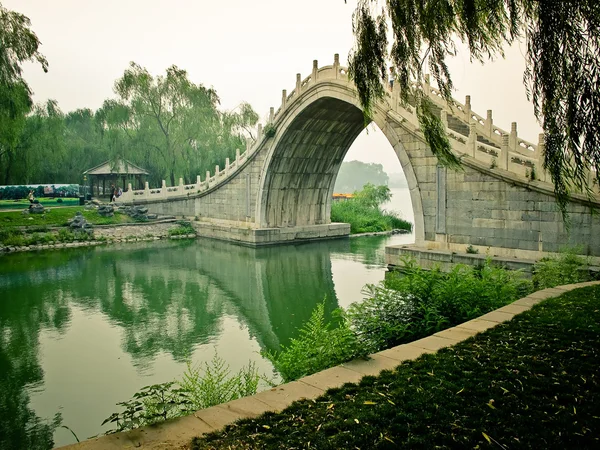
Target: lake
x=82 y=329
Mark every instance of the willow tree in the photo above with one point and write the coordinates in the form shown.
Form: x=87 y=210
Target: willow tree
x=18 y=44
x=562 y=73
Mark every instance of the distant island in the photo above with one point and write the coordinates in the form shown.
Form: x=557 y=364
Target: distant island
x=353 y=175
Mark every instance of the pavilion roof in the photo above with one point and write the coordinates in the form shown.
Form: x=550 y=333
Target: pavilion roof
x=122 y=167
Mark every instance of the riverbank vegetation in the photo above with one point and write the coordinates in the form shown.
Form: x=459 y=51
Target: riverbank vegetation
x=405 y=307
x=528 y=383
x=413 y=304
x=200 y=387
x=353 y=175
x=364 y=213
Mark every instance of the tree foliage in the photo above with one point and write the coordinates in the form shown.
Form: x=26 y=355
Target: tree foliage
x=18 y=44
x=166 y=124
x=175 y=122
x=353 y=175
x=562 y=67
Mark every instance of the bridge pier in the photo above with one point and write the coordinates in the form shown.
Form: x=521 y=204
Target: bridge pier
x=246 y=234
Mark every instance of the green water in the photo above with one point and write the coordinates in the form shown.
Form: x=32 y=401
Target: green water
x=82 y=329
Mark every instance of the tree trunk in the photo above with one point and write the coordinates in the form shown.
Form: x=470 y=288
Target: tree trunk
x=172 y=178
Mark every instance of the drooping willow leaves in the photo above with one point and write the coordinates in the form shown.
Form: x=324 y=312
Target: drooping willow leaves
x=562 y=67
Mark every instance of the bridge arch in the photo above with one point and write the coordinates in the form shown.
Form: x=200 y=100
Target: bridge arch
x=312 y=139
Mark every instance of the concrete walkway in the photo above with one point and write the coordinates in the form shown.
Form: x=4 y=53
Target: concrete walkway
x=177 y=433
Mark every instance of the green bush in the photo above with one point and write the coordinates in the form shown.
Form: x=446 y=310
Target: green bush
x=419 y=302
x=567 y=268
x=364 y=214
x=320 y=345
x=183 y=228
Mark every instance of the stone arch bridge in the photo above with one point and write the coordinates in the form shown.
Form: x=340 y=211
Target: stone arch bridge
x=280 y=188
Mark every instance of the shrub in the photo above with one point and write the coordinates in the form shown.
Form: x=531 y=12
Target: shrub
x=183 y=228
x=567 y=268
x=319 y=346
x=419 y=302
x=65 y=235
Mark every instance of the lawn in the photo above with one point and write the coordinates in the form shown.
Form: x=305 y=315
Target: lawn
x=24 y=203
x=532 y=382
x=57 y=217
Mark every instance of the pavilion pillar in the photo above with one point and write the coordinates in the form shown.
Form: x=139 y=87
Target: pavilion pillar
x=103 y=187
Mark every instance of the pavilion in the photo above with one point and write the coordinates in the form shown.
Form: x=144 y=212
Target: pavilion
x=118 y=174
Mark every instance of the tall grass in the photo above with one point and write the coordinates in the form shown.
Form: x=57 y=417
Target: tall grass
x=364 y=213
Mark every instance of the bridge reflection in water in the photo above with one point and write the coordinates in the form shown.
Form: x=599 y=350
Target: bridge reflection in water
x=83 y=329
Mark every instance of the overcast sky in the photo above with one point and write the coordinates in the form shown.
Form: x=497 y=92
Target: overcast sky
x=247 y=50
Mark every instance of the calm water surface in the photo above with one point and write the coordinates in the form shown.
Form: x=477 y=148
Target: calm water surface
x=82 y=329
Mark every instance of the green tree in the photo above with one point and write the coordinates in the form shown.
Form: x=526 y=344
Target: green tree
x=18 y=44
x=170 y=115
x=562 y=72
x=353 y=175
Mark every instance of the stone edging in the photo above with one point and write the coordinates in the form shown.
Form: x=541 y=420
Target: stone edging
x=380 y=233
x=177 y=433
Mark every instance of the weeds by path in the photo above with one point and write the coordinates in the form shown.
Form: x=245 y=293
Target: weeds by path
x=530 y=383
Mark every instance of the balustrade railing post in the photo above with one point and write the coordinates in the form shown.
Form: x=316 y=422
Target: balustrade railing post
x=283 y=99
x=237 y=154
x=427 y=84
x=315 y=70
x=217 y=170
x=489 y=123
x=259 y=132
x=336 y=64
x=298 y=84
x=198 y=181
x=504 y=150
x=472 y=140
x=541 y=149
x=271 y=114
x=468 y=109
x=444 y=118
x=512 y=142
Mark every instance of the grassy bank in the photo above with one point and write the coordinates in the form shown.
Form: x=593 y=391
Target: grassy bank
x=24 y=203
x=57 y=217
x=17 y=229
x=364 y=214
x=529 y=383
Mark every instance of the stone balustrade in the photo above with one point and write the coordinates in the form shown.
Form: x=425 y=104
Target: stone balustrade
x=507 y=151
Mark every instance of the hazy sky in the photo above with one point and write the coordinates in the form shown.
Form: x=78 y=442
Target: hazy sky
x=247 y=50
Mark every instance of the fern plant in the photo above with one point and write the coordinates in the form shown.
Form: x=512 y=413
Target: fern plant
x=319 y=346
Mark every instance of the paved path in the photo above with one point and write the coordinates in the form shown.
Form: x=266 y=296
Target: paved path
x=177 y=433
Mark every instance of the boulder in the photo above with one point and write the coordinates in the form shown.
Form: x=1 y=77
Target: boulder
x=106 y=210
x=137 y=212
x=37 y=208
x=79 y=223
